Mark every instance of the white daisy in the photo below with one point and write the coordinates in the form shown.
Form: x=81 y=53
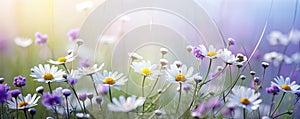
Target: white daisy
x=45 y=73
x=74 y=74
x=210 y=53
x=23 y=102
x=180 y=74
x=90 y=70
x=285 y=85
x=123 y=105
x=62 y=60
x=227 y=56
x=145 y=68
x=245 y=98
x=23 y=42
x=113 y=79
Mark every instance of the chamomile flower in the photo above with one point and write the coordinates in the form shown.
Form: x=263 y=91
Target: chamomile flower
x=62 y=60
x=210 y=53
x=90 y=70
x=125 y=105
x=23 y=102
x=285 y=85
x=145 y=68
x=227 y=56
x=113 y=79
x=180 y=74
x=245 y=98
x=45 y=73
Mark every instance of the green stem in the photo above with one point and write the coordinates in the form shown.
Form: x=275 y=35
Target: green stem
x=193 y=99
x=208 y=70
x=143 y=83
x=278 y=104
x=178 y=105
x=68 y=115
x=17 y=107
x=73 y=89
x=25 y=113
x=272 y=103
x=109 y=90
x=50 y=87
x=94 y=84
x=244 y=113
x=66 y=68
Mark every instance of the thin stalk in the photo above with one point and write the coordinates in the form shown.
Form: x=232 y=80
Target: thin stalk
x=94 y=85
x=236 y=80
x=193 y=99
x=109 y=90
x=278 y=104
x=2 y=110
x=143 y=83
x=68 y=115
x=84 y=108
x=244 y=113
x=180 y=87
x=17 y=107
x=207 y=73
x=76 y=96
x=25 y=113
x=50 y=87
x=67 y=70
x=272 y=103
x=56 y=113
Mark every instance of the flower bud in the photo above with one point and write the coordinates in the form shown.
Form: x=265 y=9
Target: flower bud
x=40 y=89
x=164 y=51
x=265 y=64
x=66 y=92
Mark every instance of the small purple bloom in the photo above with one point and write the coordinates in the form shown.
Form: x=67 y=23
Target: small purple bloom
x=40 y=38
x=228 y=111
x=231 y=41
x=66 y=92
x=186 y=87
x=4 y=93
x=15 y=93
x=19 y=81
x=213 y=104
x=32 y=111
x=73 y=34
x=253 y=82
x=198 y=54
x=103 y=88
x=72 y=81
x=99 y=100
x=51 y=99
x=199 y=111
x=84 y=63
x=82 y=96
x=272 y=89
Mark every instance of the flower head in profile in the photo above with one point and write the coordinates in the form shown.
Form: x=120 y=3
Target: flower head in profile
x=180 y=73
x=210 y=53
x=197 y=52
x=245 y=98
x=227 y=56
x=125 y=105
x=90 y=70
x=240 y=59
x=4 y=93
x=145 y=68
x=23 y=42
x=285 y=85
x=113 y=79
x=62 y=60
x=45 y=73
x=134 y=56
x=40 y=38
x=50 y=100
x=73 y=34
x=24 y=102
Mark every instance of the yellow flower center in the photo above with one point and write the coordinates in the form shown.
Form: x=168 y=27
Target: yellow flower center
x=146 y=71
x=211 y=54
x=286 y=87
x=109 y=81
x=62 y=59
x=245 y=101
x=21 y=104
x=48 y=76
x=180 y=77
x=127 y=105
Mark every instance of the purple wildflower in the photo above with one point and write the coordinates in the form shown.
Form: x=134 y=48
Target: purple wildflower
x=253 y=82
x=66 y=92
x=198 y=54
x=51 y=99
x=231 y=41
x=15 y=93
x=272 y=89
x=73 y=34
x=19 y=81
x=72 y=81
x=82 y=96
x=103 y=88
x=228 y=111
x=4 y=93
x=84 y=63
x=199 y=111
x=40 y=38
x=213 y=104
